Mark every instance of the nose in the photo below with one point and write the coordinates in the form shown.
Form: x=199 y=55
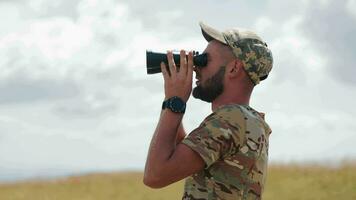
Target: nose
x=197 y=72
x=196 y=69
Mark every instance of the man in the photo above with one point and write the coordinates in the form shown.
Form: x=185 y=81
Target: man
x=226 y=156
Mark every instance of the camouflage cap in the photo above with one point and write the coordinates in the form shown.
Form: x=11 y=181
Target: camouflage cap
x=246 y=46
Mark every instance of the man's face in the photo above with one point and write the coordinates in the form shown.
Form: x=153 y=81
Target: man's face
x=210 y=79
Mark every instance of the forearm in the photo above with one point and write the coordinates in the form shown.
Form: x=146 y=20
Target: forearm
x=180 y=133
x=177 y=84
x=163 y=141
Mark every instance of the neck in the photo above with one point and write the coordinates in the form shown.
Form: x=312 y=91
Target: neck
x=241 y=97
x=221 y=100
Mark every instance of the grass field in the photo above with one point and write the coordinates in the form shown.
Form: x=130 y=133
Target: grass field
x=290 y=182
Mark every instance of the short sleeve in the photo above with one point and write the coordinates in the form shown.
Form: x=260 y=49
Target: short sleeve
x=212 y=140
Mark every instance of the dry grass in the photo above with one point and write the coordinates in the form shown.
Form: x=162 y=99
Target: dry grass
x=311 y=182
x=290 y=182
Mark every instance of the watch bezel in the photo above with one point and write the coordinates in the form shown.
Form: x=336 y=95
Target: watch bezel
x=173 y=104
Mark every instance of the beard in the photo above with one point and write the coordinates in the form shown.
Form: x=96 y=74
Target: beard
x=213 y=87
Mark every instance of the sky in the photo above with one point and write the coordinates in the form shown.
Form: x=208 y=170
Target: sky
x=75 y=96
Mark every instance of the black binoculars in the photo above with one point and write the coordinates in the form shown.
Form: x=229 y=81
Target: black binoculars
x=154 y=59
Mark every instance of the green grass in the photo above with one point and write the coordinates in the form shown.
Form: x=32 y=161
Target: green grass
x=290 y=182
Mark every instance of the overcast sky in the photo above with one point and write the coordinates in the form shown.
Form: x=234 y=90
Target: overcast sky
x=75 y=96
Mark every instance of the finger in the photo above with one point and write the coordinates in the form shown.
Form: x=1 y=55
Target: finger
x=164 y=71
x=183 y=63
x=171 y=64
x=190 y=65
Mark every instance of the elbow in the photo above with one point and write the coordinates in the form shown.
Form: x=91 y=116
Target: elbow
x=154 y=182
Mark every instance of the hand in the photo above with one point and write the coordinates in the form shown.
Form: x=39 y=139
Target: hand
x=178 y=82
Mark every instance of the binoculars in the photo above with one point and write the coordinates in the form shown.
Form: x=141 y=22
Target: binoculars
x=154 y=59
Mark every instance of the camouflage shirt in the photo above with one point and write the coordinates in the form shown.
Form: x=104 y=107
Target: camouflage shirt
x=233 y=142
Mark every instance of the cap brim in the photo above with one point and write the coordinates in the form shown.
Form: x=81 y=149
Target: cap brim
x=210 y=33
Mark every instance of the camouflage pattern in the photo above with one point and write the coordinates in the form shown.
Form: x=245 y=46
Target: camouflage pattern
x=233 y=142
x=248 y=47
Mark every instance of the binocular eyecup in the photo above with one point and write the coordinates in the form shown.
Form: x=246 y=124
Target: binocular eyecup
x=154 y=59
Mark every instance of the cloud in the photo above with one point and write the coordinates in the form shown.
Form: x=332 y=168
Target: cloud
x=331 y=28
x=90 y=105
x=74 y=79
x=21 y=89
x=49 y=9
x=46 y=8
x=80 y=84
x=316 y=136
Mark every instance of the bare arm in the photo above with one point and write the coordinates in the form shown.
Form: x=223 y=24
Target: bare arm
x=180 y=133
x=168 y=160
x=163 y=143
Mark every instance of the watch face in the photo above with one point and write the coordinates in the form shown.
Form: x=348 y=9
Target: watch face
x=177 y=105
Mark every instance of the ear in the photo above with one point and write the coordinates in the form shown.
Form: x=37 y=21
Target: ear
x=234 y=69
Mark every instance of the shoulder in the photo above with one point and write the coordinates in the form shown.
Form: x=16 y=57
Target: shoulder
x=230 y=111
x=228 y=121
x=226 y=116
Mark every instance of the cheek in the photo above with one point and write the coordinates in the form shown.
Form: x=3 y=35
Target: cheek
x=209 y=69
x=205 y=72
x=204 y=76
x=202 y=73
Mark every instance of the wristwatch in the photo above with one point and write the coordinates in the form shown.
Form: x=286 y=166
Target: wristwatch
x=175 y=104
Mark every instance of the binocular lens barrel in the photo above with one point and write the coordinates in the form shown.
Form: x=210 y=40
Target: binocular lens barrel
x=154 y=59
